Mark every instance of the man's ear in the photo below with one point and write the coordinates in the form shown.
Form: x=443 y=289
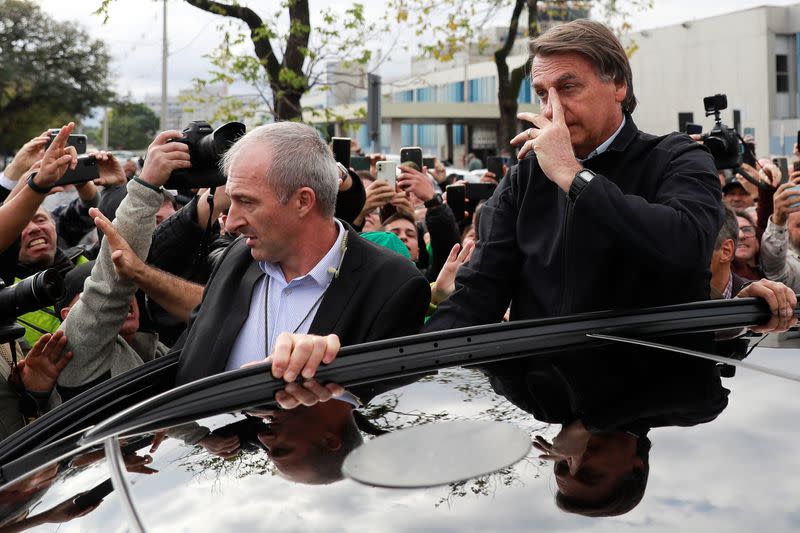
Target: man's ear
x=331 y=441
x=306 y=201
x=727 y=251
x=64 y=312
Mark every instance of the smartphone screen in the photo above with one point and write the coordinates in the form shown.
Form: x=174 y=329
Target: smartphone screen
x=411 y=154
x=341 y=150
x=495 y=165
x=749 y=155
x=429 y=162
x=456 y=200
x=782 y=164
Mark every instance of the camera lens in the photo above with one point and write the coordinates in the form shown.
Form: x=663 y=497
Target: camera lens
x=32 y=293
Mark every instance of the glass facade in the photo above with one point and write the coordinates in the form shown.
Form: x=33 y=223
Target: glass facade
x=452 y=92
x=483 y=90
x=404 y=97
x=524 y=96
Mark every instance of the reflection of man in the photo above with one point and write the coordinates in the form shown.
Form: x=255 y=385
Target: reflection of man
x=296 y=269
x=600 y=208
x=309 y=444
x=607 y=401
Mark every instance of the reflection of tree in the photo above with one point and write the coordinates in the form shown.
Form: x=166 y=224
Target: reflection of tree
x=204 y=465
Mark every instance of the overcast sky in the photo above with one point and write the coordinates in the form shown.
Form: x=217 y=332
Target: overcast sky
x=133 y=34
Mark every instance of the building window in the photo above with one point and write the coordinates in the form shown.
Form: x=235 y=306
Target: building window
x=426 y=94
x=782 y=73
x=482 y=90
x=404 y=97
x=524 y=96
x=452 y=92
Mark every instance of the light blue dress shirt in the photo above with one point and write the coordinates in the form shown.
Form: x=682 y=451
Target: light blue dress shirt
x=603 y=147
x=291 y=305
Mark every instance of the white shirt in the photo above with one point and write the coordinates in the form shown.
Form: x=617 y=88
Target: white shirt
x=291 y=305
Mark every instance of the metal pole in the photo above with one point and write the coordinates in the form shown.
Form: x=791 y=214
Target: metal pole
x=105 y=128
x=164 y=72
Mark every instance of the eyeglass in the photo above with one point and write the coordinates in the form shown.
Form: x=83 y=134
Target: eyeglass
x=747 y=230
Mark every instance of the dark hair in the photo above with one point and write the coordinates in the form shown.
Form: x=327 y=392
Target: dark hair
x=327 y=464
x=596 y=43
x=729 y=229
x=400 y=216
x=627 y=494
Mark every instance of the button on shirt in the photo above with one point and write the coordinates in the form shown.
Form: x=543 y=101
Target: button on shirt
x=290 y=307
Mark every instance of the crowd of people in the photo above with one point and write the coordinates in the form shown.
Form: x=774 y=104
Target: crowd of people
x=297 y=256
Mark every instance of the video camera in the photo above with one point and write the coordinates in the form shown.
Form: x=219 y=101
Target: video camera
x=206 y=148
x=32 y=293
x=725 y=143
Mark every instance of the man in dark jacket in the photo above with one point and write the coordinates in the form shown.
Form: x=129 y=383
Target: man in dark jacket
x=602 y=215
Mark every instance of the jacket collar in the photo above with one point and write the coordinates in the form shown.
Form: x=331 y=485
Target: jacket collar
x=625 y=136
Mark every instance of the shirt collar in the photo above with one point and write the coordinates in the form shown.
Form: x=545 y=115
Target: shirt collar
x=321 y=272
x=603 y=147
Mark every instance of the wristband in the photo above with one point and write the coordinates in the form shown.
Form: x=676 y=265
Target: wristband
x=37 y=188
x=150 y=186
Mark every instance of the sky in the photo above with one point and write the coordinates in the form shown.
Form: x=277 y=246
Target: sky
x=134 y=30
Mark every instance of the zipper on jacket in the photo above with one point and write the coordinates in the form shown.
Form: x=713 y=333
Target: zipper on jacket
x=566 y=289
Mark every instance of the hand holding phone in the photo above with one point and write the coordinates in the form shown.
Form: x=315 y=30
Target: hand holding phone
x=387 y=171
x=341 y=150
x=411 y=156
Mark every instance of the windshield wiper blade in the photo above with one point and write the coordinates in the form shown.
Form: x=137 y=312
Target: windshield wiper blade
x=694 y=353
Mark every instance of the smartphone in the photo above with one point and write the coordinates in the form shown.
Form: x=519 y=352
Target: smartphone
x=477 y=192
x=341 y=150
x=429 y=162
x=86 y=170
x=798 y=139
x=456 y=200
x=94 y=496
x=76 y=140
x=411 y=154
x=749 y=155
x=494 y=164
x=796 y=166
x=387 y=171
x=693 y=129
x=359 y=162
x=782 y=164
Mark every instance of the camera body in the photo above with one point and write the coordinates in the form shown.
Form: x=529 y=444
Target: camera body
x=206 y=147
x=722 y=141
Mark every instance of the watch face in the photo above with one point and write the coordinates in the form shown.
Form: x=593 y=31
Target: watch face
x=587 y=175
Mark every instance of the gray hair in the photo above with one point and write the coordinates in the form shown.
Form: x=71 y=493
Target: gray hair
x=729 y=230
x=301 y=159
x=595 y=42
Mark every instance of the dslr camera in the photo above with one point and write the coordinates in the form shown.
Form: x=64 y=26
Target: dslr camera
x=722 y=141
x=32 y=293
x=206 y=147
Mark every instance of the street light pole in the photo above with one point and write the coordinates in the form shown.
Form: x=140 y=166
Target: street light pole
x=163 y=123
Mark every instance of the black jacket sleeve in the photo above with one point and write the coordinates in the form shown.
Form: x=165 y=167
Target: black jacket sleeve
x=443 y=229
x=350 y=202
x=73 y=222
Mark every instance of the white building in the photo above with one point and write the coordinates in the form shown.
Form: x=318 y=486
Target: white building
x=750 y=55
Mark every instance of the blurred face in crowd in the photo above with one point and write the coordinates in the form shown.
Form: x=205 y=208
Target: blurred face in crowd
x=407 y=232
x=130 y=168
x=793 y=225
x=592 y=107
x=165 y=211
x=38 y=240
x=256 y=212
x=748 y=244
x=738 y=198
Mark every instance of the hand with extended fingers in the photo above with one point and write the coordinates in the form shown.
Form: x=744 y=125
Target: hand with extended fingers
x=550 y=141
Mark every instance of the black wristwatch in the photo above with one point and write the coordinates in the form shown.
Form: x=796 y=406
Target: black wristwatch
x=579 y=182
x=436 y=201
x=36 y=188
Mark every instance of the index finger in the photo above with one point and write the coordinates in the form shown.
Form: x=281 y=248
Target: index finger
x=165 y=136
x=108 y=229
x=60 y=140
x=555 y=103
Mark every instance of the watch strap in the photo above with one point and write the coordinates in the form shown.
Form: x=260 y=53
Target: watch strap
x=436 y=201
x=36 y=188
x=579 y=183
